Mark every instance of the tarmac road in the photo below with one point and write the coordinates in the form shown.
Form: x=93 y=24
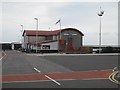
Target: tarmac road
x=17 y=63
x=64 y=84
x=83 y=63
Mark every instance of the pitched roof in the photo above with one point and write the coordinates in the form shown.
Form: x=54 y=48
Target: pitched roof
x=46 y=33
x=40 y=33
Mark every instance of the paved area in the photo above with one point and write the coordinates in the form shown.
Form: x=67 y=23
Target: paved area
x=21 y=70
x=19 y=63
x=84 y=75
x=99 y=83
x=85 y=62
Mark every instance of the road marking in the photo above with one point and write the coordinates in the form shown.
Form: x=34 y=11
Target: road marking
x=47 y=76
x=3 y=56
x=37 y=70
x=96 y=70
x=52 y=80
x=57 y=54
x=112 y=78
x=94 y=79
x=28 y=81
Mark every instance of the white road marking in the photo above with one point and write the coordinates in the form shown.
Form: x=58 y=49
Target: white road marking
x=37 y=70
x=94 y=79
x=52 y=80
x=37 y=81
x=58 y=54
x=47 y=76
x=27 y=81
x=3 y=56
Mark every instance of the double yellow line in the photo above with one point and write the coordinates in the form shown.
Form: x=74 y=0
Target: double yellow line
x=112 y=77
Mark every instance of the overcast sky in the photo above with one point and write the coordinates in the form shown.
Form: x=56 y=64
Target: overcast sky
x=80 y=15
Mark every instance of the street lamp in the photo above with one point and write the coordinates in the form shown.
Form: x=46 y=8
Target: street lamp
x=100 y=14
x=22 y=42
x=36 y=32
x=21 y=27
x=21 y=32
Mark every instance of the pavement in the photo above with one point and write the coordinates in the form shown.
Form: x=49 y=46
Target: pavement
x=64 y=54
x=21 y=70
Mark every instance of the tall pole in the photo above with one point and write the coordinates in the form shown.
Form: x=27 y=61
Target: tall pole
x=59 y=21
x=21 y=33
x=60 y=36
x=60 y=29
x=36 y=33
x=100 y=14
x=100 y=36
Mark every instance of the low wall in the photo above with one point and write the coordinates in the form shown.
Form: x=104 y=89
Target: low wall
x=81 y=50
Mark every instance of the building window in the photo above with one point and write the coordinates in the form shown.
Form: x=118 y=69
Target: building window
x=54 y=37
x=39 y=45
x=46 y=47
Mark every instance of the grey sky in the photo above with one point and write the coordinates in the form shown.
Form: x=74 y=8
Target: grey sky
x=79 y=15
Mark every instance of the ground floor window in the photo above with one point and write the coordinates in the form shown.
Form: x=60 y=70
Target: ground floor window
x=46 y=47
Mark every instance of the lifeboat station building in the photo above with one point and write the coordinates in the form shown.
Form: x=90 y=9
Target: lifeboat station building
x=68 y=39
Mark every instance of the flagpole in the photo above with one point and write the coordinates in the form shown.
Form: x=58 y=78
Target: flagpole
x=60 y=34
x=59 y=21
x=60 y=29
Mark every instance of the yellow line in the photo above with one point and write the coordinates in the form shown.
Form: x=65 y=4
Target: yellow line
x=112 y=78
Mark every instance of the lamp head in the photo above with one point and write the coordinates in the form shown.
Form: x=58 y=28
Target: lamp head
x=102 y=12
x=36 y=18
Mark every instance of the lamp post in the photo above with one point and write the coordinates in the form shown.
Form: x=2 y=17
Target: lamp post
x=36 y=33
x=21 y=34
x=21 y=27
x=100 y=14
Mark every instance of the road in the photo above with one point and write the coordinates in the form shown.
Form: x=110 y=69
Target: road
x=21 y=70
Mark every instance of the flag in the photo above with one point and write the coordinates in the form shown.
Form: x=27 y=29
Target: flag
x=57 y=21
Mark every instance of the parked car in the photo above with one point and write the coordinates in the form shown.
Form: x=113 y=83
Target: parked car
x=117 y=69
